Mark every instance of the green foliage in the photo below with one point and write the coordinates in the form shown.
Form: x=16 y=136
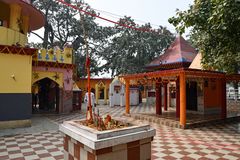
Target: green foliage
x=215 y=31
x=63 y=25
x=124 y=50
x=128 y=50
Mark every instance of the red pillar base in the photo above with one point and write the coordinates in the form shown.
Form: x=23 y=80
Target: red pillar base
x=165 y=97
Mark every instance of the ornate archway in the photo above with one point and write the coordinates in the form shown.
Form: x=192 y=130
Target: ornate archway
x=101 y=86
x=54 y=76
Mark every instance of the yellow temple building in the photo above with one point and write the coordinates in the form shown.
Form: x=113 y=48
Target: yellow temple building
x=32 y=80
x=100 y=86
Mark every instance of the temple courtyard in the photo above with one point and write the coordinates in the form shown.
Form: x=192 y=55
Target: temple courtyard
x=44 y=141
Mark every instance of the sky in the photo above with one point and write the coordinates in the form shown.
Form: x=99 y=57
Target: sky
x=156 y=12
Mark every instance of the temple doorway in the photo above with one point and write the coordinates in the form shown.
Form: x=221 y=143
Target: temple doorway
x=101 y=93
x=45 y=96
x=191 y=93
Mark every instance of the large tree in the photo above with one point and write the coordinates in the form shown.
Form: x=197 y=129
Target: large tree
x=215 y=31
x=64 y=25
x=122 y=49
x=129 y=50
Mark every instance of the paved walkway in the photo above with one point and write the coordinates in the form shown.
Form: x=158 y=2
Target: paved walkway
x=43 y=141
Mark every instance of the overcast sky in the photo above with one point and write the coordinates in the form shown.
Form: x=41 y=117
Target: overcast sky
x=155 y=12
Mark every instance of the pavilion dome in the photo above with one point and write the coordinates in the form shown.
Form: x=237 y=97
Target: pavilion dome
x=36 y=18
x=179 y=54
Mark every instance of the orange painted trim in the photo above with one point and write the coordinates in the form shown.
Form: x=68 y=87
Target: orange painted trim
x=183 y=98
x=127 y=97
x=169 y=66
x=176 y=72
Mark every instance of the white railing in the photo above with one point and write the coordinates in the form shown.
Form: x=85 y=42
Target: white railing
x=233 y=94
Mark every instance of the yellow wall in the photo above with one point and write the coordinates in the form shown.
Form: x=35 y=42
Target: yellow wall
x=15 y=26
x=10 y=37
x=82 y=84
x=18 y=67
x=55 y=55
x=50 y=75
x=15 y=15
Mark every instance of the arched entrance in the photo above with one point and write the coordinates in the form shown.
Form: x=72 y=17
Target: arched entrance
x=101 y=92
x=45 y=96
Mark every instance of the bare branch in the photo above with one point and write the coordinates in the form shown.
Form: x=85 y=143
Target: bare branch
x=37 y=35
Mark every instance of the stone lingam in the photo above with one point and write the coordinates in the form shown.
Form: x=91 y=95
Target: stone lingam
x=131 y=141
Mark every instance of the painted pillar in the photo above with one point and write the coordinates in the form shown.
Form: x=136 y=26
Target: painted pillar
x=183 y=98
x=169 y=96
x=165 y=97
x=96 y=93
x=105 y=94
x=25 y=24
x=15 y=17
x=127 y=97
x=158 y=99
x=177 y=98
x=224 y=102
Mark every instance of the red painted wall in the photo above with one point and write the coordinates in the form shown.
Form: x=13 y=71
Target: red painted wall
x=212 y=93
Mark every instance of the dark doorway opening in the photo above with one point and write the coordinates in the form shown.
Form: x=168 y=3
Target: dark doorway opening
x=46 y=99
x=101 y=93
x=191 y=89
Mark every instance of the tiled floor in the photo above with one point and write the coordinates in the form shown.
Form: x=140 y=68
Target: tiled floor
x=45 y=145
x=215 y=142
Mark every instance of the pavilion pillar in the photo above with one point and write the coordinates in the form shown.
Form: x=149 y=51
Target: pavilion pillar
x=127 y=97
x=224 y=101
x=165 y=97
x=183 y=100
x=158 y=99
x=177 y=98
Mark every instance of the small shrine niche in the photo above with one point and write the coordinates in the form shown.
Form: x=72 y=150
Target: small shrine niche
x=117 y=94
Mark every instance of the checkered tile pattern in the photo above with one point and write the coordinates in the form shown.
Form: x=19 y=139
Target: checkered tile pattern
x=212 y=142
x=45 y=146
x=115 y=111
x=217 y=142
x=66 y=117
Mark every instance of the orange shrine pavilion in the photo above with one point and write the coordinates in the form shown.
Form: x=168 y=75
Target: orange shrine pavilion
x=178 y=74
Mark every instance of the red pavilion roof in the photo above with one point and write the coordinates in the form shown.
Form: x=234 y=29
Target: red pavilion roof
x=179 y=54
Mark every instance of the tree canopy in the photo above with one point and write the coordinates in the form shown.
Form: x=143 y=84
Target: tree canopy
x=114 y=49
x=215 y=31
x=129 y=50
x=64 y=25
